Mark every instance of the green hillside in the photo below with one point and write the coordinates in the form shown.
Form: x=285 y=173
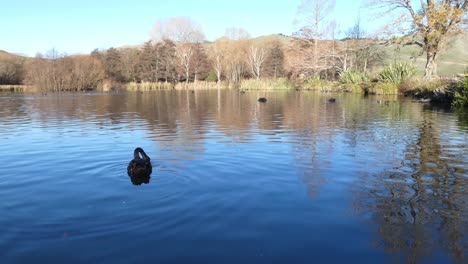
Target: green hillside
x=452 y=60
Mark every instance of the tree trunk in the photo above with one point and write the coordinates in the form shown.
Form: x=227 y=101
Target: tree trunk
x=431 y=66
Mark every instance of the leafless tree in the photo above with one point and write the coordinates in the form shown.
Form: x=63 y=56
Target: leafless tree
x=256 y=57
x=185 y=33
x=312 y=17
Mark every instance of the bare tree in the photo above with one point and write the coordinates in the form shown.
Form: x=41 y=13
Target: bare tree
x=236 y=52
x=433 y=21
x=11 y=69
x=311 y=17
x=234 y=33
x=177 y=29
x=256 y=58
x=57 y=72
x=218 y=55
x=274 y=63
x=185 y=33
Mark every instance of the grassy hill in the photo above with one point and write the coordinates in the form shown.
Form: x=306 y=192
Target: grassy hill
x=452 y=60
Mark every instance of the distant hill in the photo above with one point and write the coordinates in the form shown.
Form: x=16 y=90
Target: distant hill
x=4 y=54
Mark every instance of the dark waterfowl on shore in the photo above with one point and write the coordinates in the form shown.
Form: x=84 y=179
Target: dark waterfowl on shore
x=262 y=100
x=139 y=169
x=332 y=100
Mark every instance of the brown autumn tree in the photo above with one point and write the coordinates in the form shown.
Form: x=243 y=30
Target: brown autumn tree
x=185 y=33
x=11 y=69
x=130 y=58
x=432 y=22
x=236 y=54
x=56 y=72
x=274 y=63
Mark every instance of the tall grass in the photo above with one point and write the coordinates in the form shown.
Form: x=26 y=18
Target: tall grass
x=151 y=86
x=266 y=84
x=13 y=88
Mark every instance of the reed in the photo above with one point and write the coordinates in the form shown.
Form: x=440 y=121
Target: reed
x=13 y=88
x=266 y=84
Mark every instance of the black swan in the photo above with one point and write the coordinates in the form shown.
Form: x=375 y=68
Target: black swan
x=139 y=169
x=262 y=100
x=332 y=100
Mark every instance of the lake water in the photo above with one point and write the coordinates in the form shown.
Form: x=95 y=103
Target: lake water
x=293 y=180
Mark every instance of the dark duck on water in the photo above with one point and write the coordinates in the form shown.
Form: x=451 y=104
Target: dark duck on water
x=139 y=169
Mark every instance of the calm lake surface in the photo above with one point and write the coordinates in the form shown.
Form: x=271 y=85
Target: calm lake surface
x=294 y=180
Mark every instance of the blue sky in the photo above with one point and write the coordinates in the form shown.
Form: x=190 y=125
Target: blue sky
x=79 y=26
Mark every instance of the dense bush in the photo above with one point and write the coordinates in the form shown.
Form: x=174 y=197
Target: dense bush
x=461 y=96
x=353 y=77
x=396 y=73
x=11 y=70
x=73 y=73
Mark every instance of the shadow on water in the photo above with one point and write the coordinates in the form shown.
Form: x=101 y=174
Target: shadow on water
x=419 y=206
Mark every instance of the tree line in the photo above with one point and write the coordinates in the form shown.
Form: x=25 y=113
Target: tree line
x=178 y=51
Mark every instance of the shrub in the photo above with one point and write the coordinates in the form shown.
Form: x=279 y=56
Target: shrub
x=212 y=77
x=461 y=97
x=353 y=77
x=396 y=73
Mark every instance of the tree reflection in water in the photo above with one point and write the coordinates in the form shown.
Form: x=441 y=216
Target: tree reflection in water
x=421 y=202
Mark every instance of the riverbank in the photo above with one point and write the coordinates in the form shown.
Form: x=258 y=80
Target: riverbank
x=267 y=84
x=442 y=91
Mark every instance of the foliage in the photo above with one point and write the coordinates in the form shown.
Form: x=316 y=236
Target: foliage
x=66 y=73
x=461 y=96
x=212 y=77
x=353 y=77
x=396 y=73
